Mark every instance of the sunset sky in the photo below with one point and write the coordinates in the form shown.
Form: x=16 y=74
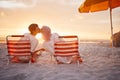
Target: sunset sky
x=61 y=16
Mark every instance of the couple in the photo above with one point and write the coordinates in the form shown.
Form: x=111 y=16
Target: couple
x=47 y=45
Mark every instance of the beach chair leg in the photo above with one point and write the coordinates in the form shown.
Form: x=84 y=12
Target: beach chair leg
x=50 y=57
x=30 y=60
x=8 y=59
x=56 y=62
x=78 y=63
x=8 y=62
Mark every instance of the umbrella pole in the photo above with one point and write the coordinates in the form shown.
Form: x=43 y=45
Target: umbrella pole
x=111 y=29
x=111 y=25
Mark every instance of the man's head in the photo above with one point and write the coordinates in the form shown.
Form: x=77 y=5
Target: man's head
x=34 y=29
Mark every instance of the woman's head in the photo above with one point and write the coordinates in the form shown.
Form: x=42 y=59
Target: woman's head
x=34 y=29
x=46 y=32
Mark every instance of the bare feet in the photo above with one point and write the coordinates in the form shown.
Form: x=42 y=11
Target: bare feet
x=80 y=60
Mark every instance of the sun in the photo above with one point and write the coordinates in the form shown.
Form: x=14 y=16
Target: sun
x=39 y=36
x=2 y=14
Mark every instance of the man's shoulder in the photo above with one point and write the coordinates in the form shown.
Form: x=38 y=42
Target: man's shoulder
x=26 y=34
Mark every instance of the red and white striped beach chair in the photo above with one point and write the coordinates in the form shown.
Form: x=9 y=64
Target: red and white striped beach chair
x=18 y=46
x=66 y=47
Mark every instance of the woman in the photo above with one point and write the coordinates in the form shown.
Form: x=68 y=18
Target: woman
x=48 y=44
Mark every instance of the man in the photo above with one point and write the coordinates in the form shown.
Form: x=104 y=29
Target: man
x=34 y=30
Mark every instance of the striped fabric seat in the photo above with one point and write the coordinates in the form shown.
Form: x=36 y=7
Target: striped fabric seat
x=67 y=46
x=18 y=45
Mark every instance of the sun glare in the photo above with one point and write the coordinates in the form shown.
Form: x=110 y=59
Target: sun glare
x=2 y=14
x=39 y=36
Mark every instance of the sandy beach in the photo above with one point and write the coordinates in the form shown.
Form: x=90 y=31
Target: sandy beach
x=100 y=62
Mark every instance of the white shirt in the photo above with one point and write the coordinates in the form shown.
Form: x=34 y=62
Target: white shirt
x=33 y=40
x=49 y=45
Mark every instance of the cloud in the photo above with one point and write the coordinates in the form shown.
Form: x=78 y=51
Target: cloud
x=68 y=2
x=17 y=3
x=74 y=2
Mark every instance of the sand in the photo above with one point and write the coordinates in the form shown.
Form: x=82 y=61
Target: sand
x=101 y=62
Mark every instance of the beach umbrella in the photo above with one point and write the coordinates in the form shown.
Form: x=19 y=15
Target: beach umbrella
x=99 y=5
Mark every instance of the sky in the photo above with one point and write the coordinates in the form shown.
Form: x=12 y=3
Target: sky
x=62 y=16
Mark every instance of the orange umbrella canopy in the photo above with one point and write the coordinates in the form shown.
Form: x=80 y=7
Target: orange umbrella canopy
x=98 y=5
